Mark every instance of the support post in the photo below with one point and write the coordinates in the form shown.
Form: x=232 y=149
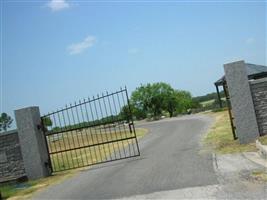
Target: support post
x=241 y=101
x=226 y=93
x=219 y=96
x=32 y=143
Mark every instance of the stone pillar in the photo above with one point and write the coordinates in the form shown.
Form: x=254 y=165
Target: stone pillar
x=32 y=142
x=241 y=101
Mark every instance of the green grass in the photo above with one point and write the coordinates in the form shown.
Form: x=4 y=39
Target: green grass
x=220 y=136
x=7 y=191
x=12 y=192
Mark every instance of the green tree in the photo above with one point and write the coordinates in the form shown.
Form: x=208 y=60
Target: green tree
x=171 y=102
x=138 y=113
x=177 y=101
x=135 y=112
x=5 y=121
x=141 y=98
x=184 y=101
x=125 y=112
x=162 y=95
x=47 y=122
x=151 y=98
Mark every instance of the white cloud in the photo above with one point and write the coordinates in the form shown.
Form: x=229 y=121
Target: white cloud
x=77 y=48
x=133 y=51
x=57 y=5
x=250 y=40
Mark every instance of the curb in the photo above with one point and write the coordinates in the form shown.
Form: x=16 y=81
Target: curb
x=262 y=149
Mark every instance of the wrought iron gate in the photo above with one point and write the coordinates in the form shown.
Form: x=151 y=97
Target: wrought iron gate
x=92 y=131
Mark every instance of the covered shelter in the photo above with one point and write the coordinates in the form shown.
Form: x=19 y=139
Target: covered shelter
x=254 y=72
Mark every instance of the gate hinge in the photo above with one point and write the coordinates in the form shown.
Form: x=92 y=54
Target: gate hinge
x=41 y=127
x=48 y=166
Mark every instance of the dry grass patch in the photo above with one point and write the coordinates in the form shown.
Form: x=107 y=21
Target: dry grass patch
x=220 y=136
x=70 y=155
x=16 y=192
x=263 y=140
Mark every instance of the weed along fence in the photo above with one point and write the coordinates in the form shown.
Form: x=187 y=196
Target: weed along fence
x=89 y=132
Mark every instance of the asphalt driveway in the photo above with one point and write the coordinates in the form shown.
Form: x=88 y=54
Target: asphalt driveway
x=170 y=159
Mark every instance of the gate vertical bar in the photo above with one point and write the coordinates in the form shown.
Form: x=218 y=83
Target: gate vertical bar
x=49 y=163
x=132 y=122
x=229 y=110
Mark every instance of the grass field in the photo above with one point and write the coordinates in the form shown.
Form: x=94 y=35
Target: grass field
x=220 y=137
x=17 y=192
x=206 y=103
x=209 y=102
x=66 y=151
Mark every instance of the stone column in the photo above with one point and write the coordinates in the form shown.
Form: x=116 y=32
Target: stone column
x=241 y=101
x=32 y=142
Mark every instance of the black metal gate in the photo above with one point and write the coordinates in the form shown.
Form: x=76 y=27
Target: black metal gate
x=92 y=131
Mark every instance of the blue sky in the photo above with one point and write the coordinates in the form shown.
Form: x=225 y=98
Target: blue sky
x=56 y=52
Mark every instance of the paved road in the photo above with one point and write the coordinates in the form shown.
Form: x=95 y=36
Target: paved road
x=170 y=159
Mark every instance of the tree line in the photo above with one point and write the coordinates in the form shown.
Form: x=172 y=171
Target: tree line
x=48 y=123
x=209 y=96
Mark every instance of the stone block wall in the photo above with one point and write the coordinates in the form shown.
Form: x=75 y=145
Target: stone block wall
x=11 y=162
x=259 y=95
